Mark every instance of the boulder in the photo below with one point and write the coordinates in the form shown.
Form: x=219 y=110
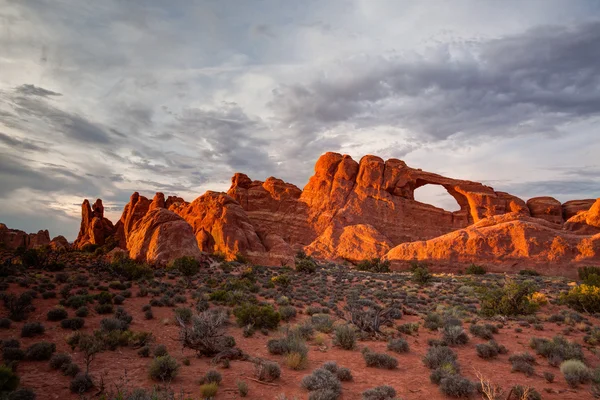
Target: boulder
x=547 y=208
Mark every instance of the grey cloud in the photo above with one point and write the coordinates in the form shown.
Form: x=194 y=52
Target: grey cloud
x=28 y=89
x=530 y=83
x=21 y=144
x=566 y=189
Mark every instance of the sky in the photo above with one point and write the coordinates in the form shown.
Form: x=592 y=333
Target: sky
x=99 y=99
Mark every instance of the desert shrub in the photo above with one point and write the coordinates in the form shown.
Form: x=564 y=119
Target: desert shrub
x=374 y=265
x=575 y=372
x=556 y=350
x=519 y=392
x=589 y=275
x=439 y=355
x=12 y=354
x=457 y=386
x=81 y=383
x=267 y=371
x=187 y=266
x=305 y=265
x=14 y=343
x=184 y=314
x=5 y=323
x=512 y=299
x=399 y=345
x=344 y=337
x=528 y=272
x=58 y=360
x=296 y=360
x=379 y=360
x=256 y=315
x=455 y=335
x=212 y=376
x=475 y=270
x=583 y=298
x=72 y=323
x=287 y=312
x=322 y=322
x=82 y=312
x=522 y=363
x=32 y=329
x=112 y=324
x=164 y=368
x=57 y=314
x=242 y=387
x=18 y=307
x=41 y=351
x=421 y=275
x=104 y=308
x=282 y=280
x=22 y=394
x=130 y=270
x=209 y=390
x=160 y=350
x=490 y=349
x=433 y=321
x=322 y=379
x=205 y=333
x=9 y=380
x=384 y=392
x=483 y=331
x=548 y=376
x=70 y=369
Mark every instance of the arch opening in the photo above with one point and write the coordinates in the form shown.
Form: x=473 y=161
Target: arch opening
x=437 y=196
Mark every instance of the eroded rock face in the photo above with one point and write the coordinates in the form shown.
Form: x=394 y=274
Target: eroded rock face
x=60 y=243
x=161 y=236
x=356 y=210
x=15 y=238
x=507 y=243
x=95 y=229
x=547 y=208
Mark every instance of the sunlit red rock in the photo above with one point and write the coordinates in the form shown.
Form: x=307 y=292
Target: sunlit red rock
x=59 y=243
x=94 y=229
x=585 y=222
x=547 y=208
x=161 y=236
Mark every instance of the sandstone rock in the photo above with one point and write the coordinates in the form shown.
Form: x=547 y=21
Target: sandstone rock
x=95 y=229
x=547 y=208
x=160 y=237
x=134 y=211
x=507 y=243
x=585 y=222
x=220 y=224
x=60 y=243
x=574 y=207
x=15 y=238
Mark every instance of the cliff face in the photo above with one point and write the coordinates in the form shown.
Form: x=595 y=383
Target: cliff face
x=14 y=238
x=356 y=210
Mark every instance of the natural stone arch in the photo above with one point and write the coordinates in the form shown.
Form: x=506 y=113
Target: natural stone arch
x=438 y=196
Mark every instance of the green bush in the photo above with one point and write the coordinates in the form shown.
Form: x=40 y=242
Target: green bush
x=439 y=355
x=164 y=368
x=41 y=351
x=9 y=381
x=522 y=363
x=575 y=372
x=322 y=322
x=322 y=379
x=455 y=335
x=490 y=350
x=384 y=392
x=475 y=270
x=187 y=266
x=130 y=270
x=184 y=314
x=212 y=376
x=344 y=337
x=287 y=312
x=379 y=360
x=257 y=316
x=81 y=383
x=58 y=360
x=267 y=371
x=57 y=314
x=421 y=275
x=583 y=298
x=485 y=331
x=513 y=298
x=557 y=350
x=589 y=275
x=306 y=265
x=457 y=386
x=374 y=265
x=32 y=329
x=528 y=272
x=72 y=323
x=399 y=345
x=209 y=390
x=242 y=387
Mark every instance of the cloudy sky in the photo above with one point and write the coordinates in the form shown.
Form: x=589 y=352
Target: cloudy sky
x=102 y=98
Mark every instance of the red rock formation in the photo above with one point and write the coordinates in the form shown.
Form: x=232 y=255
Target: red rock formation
x=574 y=207
x=59 y=243
x=585 y=222
x=507 y=243
x=547 y=208
x=14 y=238
x=134 y=211
x=161 y=236
x=95 y=229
